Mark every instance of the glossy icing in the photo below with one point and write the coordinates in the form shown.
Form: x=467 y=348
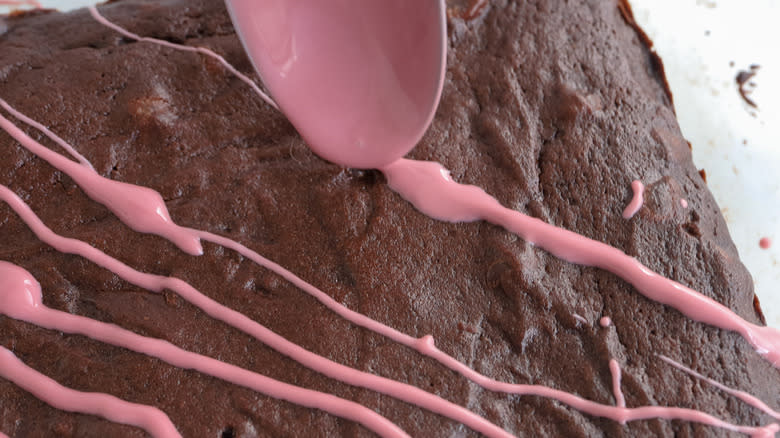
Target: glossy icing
x=365 y=95
x=22 y=300
x=637 y=199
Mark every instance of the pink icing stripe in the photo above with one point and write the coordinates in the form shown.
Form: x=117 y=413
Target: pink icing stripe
x=428 y=186
x=106 y=406
x=2 y=435
x=742 y=395
x=614 y=369
x=401 y=391
x=142 y=209
x=54 y=137
x=636 y=201
x=102 y=20
x=20 y=298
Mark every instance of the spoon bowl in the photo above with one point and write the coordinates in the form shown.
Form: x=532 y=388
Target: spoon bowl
x=359 y=79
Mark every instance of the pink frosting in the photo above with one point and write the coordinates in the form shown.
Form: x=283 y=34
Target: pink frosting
x=636 y=201
x=605 y=321
x=614 y=369
x=765 y=243
x=424 y=345
x=332 y=369
x=20 y=298
x=684 y=203
x=430 y=189
x=142 y=209
x=107 y=406
x=54 y=137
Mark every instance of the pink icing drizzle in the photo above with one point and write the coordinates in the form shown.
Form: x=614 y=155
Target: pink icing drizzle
x=21 y=299
x=605 y=321
x=102 y=20
x=107 y=406
x=742 y=395
x=401 y=391
x=142 y=209
x=428 y=186
x=614 y=369
x=54 y=137
x=636 y=201
x=424 y=345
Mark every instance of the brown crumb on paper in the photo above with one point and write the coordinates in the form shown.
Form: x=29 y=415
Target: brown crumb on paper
x=745 y=85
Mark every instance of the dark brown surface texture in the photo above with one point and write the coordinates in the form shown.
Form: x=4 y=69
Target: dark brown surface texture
x=554 y=107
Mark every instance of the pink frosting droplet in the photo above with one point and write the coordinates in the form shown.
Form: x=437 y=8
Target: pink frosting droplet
x=20 y=292
x=765 y=243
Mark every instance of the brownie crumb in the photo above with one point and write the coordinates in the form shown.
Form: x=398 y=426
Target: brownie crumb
x=745 y=85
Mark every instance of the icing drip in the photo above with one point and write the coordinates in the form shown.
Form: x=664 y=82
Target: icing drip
x=636 y=201
x=614 y=369
x=765 y=243
x=742 y=395
x=102 y=20
x=401 y=391
x=141 y=208
x=428 y=186
x=106 y=406
x=605 y=321
x=21 y=299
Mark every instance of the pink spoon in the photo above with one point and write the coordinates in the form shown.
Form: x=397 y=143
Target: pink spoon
x=359 y=79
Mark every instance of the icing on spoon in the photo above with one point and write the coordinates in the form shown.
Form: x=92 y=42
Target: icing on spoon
x=360 y=80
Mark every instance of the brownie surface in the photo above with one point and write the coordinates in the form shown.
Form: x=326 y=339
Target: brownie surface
x=553 y=107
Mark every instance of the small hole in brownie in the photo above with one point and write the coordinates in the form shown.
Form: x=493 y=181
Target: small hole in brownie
x=228 y=432
x=692 y=229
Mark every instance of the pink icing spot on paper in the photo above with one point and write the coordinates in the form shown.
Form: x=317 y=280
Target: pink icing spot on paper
x=765 y=243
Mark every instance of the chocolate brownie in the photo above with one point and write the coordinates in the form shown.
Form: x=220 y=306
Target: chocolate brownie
x=553 y=107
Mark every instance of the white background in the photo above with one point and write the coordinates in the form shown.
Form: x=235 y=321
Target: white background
x=737 y=146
